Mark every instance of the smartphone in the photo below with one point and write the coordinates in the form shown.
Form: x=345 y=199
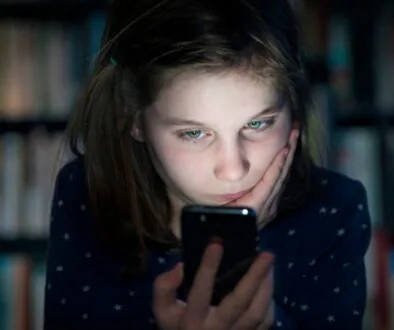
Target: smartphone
x=235 y=228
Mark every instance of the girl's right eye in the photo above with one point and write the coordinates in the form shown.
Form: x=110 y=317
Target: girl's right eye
x=192 y=135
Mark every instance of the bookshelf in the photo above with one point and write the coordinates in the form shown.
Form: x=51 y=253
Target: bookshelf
x=45 y=10
x=47 y=48
x=32 y=246
x=375 y=118
x=366 y=120
x=26 y=126
x=77 y=12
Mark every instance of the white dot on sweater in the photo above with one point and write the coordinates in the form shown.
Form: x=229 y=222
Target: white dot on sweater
x=291 y=232
x=86 y=288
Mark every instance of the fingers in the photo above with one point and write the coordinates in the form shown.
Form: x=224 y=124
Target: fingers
x=289 y=158
x=262 y=190
x=165 y=291
x=237 y=302
x=280 y=169
x=200 y=295
x=262 y=197
x=260 y=309
x=292 y=146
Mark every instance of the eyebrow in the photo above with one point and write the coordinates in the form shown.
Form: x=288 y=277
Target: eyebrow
x=174 y=121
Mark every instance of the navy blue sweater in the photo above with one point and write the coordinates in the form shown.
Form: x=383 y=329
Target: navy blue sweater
x=319 y=262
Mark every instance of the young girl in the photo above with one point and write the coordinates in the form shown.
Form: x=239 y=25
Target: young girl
x=200 y=102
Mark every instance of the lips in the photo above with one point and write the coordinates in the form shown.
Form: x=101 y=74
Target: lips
x=231 y=197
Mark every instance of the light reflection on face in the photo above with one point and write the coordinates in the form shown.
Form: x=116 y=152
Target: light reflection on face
x=216 y=134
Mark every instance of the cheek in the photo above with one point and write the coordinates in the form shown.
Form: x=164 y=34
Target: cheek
x=262 y=153
x=176 y=161
x=279 y=136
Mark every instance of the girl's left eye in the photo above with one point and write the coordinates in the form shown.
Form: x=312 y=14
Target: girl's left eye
x=260 y=124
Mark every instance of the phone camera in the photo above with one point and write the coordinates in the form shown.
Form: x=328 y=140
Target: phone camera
x=203 y=218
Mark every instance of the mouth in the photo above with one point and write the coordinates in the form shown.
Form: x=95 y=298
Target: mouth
x=233 y=196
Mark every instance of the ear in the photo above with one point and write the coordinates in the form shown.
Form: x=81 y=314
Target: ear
x=296 y=124
x=136 y=130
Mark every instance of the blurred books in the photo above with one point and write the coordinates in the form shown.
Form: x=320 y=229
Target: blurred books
x=28 y=169
x=44 y=64
x=22 y=287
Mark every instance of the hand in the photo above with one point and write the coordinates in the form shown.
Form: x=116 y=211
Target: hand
x=247 y=307
x=264 y=197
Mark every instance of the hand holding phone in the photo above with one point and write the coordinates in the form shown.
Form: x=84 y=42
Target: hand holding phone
x=235 y=228
x=248 y=306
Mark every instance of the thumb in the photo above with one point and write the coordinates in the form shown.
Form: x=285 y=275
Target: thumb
x=165 y=290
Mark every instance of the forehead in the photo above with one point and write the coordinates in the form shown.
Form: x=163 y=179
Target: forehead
x=206 y=94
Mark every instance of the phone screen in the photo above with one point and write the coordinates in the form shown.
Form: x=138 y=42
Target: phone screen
x=235 y=228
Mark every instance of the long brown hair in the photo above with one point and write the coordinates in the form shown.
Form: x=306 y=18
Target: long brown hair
x=144 y=39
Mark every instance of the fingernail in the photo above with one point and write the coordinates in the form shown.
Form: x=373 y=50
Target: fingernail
x=267 y=256
x=216 y=239
x=266 y=259
x=178 y=270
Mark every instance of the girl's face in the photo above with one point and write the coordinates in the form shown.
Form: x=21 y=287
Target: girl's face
x=214 y=135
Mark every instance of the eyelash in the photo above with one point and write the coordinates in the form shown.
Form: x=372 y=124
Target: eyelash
x=268 y=123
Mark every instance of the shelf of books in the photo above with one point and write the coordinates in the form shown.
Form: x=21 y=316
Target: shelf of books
x=47 y=48
x=46 y=10
x=358 y=110
x=42 y=66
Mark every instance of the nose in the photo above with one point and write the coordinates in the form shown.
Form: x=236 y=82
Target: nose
x=232 y=163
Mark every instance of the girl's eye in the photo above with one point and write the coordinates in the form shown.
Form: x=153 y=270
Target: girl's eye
x=195 y=134
x=255 y=124
x=260 y=124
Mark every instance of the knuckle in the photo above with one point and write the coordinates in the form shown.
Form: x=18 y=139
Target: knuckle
x=255 y=320
x=235 y=310
x=267 y=324
x=187 y=323
x=250 y=322
x=160 y=283
x=159 y=313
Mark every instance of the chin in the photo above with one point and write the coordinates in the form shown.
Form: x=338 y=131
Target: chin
x=201 y=201
x=213 y=203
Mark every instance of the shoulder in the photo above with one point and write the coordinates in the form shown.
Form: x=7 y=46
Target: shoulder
x=71 y=181
x=335 y=217
x=336 y=191
x=336 y=210
x=335 y=204
x=71 y=173
x=72 y=220
x=70 y=197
